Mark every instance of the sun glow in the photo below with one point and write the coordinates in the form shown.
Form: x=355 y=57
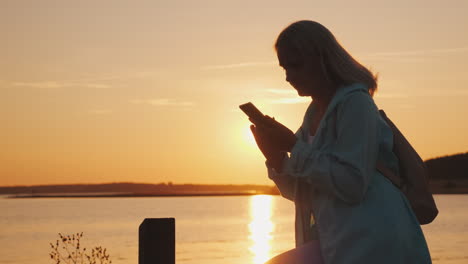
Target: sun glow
x=248 y=136
x=261 y=227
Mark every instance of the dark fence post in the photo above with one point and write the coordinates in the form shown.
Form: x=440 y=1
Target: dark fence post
x=157 y=241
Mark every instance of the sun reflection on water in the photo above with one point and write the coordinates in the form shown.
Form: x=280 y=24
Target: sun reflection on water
x=261 y=227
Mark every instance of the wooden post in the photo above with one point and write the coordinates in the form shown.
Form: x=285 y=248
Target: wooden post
x=157 y=241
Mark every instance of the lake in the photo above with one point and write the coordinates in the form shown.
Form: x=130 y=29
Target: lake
x=223 y=229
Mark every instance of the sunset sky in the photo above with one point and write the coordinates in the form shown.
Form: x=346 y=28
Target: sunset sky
x=148 y=91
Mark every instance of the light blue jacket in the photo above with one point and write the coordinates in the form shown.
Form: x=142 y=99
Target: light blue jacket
x=360 y=216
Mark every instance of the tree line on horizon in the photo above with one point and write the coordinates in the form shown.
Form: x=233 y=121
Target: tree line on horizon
x=128 y=187
x=449 y=168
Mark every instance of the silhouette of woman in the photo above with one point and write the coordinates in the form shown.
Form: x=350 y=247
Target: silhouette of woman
x=346 y=211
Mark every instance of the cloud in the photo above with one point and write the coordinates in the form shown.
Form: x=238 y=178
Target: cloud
x=169 y=102
x=240 y=65
x=280 y=96
x=43 y=85
x=283 y=96
x=56 y=85
x=390 y=96
x=291 y=100
x=282 y=91
x=97 y=86
x=162 y=102
x=122 y=76
x=413 y=53
x=377 y=55
x=100 y=111
x=454 y=93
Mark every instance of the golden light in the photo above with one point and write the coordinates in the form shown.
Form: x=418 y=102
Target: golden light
x=261 y=227
x=248 y=136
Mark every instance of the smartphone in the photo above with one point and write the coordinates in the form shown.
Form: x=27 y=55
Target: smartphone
x=251 y=111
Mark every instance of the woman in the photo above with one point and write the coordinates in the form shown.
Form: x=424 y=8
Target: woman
x=346 y=211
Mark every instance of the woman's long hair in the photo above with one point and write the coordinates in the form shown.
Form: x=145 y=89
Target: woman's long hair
x=311 y=40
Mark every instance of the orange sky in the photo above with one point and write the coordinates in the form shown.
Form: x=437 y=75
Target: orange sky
x=147 y=91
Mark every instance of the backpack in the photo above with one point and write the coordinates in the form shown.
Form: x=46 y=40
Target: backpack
x=413 y=178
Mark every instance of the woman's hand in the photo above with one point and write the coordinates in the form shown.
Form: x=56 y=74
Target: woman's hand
x=281 y=137
x=272 y=154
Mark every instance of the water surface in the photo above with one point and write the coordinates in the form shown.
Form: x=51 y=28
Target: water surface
x=228 y=230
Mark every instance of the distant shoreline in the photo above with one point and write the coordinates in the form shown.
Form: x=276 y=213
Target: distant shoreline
x=122 y=190
x=133 y=190
x=143 y=195
x=135 y=195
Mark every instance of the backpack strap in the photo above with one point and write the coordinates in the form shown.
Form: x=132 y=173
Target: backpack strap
x=388 y=173
x=413 y=172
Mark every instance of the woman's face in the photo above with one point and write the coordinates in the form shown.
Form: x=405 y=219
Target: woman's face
x=304 y=75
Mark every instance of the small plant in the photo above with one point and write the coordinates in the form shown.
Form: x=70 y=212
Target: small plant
x=68 y=250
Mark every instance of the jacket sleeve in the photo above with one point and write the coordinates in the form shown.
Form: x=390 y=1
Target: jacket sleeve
x=285 y=183
x=345 y=168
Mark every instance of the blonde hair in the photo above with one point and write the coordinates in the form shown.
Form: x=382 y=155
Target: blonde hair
x=310 y=39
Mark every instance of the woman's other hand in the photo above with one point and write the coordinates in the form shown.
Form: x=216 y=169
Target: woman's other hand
x=273 y=155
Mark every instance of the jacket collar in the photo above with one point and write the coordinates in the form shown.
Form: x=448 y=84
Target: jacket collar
x=341 y=93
